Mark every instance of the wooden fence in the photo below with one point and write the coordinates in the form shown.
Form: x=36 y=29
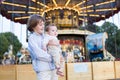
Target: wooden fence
x=107 y=70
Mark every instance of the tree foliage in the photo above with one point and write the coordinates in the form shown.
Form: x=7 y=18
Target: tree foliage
x=113 y=41
x=118 y=43
x=92 y=28
x=3 y=44
x=7 y=39
x=110 y=28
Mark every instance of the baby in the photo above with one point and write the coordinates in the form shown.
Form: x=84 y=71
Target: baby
x=53 y=47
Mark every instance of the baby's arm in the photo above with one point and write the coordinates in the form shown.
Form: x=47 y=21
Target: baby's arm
x=53 y=42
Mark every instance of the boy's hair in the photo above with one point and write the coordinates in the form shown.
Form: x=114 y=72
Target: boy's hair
x=33 y=21
x=48 y=27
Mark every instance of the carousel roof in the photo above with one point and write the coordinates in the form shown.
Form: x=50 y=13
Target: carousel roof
x=85 y=10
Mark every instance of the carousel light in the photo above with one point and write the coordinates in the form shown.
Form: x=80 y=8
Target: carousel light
x=24 y=17
x=67 y=2
x=18 y=5
x=31 y=12
x=34 y=8
x=23 y=12
x=41 y=4
x=82 y=14
x=107 y=9
x=89 y=10
x=54 y=3
x=79 y=4
x=86 y=7
x=103 y=3
x=34 y=0
x=84 y=20
x=85 y=11
x=81 y=19
x=16 y=12
x=12 y=4
x=102 y=15
x=94 y=15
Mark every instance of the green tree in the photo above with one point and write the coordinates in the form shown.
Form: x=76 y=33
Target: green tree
x=118 y=43
x=111 y=42
x=12 y=40
x=93 y=28
x=110 y=28
x=3 y=44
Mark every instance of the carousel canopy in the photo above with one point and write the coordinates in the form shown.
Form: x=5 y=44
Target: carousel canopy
x=79 y=10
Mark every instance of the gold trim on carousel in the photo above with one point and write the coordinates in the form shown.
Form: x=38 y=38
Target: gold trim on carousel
x=69 y=8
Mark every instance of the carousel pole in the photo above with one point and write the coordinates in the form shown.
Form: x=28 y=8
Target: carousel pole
x=115 y=32
x=118 y=19
x=12 y=26
x=105 y=52
x=21 y=32
x=1 y=28
x=27 y=32
x=1 y=19
x=85 y=27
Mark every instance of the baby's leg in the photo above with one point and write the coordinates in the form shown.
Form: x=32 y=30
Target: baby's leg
x=60 y=71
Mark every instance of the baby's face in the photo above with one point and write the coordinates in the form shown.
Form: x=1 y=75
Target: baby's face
x=53 y=31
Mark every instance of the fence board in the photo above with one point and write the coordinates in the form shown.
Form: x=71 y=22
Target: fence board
x=103 y=70
x=79 y=71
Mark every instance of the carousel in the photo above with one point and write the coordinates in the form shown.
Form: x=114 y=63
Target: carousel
x=71 y=18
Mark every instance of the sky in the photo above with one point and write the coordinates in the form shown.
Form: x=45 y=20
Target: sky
x=114 y=19
x=20 y=30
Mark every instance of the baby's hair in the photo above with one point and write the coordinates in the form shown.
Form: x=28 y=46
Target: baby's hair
x=48 y=26
x=33 y=21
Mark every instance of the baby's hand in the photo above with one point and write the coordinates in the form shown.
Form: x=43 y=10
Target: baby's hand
x=44 y=48
x=61 y=58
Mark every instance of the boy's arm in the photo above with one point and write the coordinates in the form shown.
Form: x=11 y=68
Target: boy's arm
x=37 y=52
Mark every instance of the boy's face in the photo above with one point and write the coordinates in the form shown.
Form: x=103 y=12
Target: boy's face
x=39 y=28
x=53 y=31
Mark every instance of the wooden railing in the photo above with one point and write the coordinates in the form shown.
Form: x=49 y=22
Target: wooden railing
x=107 y=70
